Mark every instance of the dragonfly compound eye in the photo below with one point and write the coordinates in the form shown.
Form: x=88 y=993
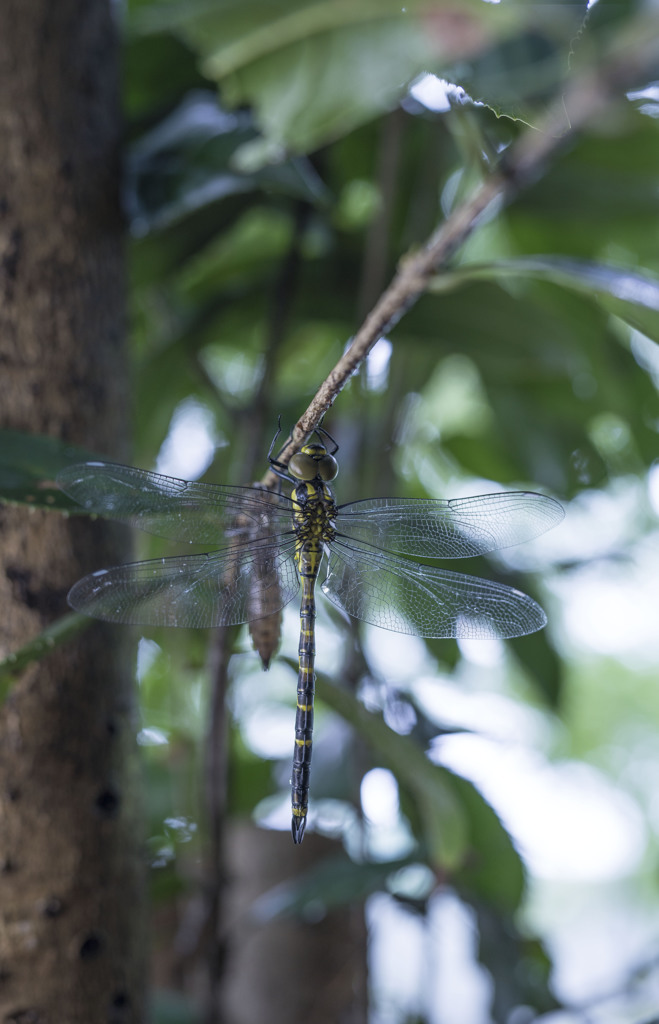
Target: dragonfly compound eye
x=303 y=467
x=327 y=468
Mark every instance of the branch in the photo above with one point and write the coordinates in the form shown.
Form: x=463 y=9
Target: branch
x=631 y=56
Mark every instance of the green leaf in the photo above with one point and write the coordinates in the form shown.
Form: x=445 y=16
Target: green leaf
x=241 y=254
x=517 y=77
x=157 y=71
x=29 y=464
x=250 y=779
x=630 y=294
x=440 y=817
x=462 y=833
x=493 y=870
x=363 y=71
x=189 y=161
x=313 y=71
x=334 y=882
x=542 y=663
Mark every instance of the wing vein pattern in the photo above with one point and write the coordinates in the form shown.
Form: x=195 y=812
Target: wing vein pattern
x=455 y=528
x=180 y=510
x=213 y=589
x=422 y=600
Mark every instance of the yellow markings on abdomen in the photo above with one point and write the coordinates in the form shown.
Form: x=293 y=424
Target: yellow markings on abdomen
x=313 y=521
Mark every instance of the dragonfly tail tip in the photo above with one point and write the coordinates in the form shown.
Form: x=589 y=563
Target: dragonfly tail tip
x=297 y=828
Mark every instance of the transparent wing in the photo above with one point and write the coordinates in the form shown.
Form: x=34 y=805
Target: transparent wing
x=457 y=528
x=221 y=588
x=178 y=509
x=405 y=597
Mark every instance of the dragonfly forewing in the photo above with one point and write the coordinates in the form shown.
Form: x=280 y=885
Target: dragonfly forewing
x=181 y=510
x=455 y=528
x=422 y=600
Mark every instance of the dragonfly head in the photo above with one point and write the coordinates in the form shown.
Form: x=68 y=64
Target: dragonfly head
x=312 y=461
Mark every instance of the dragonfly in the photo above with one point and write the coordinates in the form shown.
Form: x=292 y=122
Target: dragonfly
x=268 y=546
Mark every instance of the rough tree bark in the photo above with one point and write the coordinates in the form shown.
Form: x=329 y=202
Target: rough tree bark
x=71 y=935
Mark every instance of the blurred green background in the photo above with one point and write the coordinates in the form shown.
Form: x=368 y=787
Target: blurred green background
x=282 y=158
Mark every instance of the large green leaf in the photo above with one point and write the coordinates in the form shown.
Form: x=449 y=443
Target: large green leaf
x=324 y=86
x=313 y=71
x=461 y=832
x=241 y=255
x=440 y=817
x=493 y=872
x=188 y=161
x=630 y=294
x=549 y=359
x=595 y=202
x=517 y=77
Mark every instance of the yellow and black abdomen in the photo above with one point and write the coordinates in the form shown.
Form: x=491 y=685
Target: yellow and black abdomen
x=314 y=525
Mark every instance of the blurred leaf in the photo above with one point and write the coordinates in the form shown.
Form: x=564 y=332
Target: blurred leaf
x=493 y=870
x=333 y=882
x=596 y=201
x=440 y=817
x=157 y=71
x=364 y=71
x=486 y=866
x=188 y=161
x=314 y=71
x=542 y=663
x=250 y=777
x=242 y=253
x=631 y=295
x=29 y=464
x=162 y=381
x=517 y=77
x=519 y=965
x=548 y=358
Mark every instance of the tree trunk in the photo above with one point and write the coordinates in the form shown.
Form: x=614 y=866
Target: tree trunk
x=282 y=969
x=71 y=875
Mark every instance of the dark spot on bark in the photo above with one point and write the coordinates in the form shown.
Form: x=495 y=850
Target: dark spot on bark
x=11 y=258
x=25 y=1016
x=66 y=169
x=7 y=866
x=120 y=1008
x=112 y=727
x=5 y=975
x=20 y=579
x=91 y=947
x=44 y=599
x=53 y=907
x=107 y=803
x=4 y=206
x=13 y=794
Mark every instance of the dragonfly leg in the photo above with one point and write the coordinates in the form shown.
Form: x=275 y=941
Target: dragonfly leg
x=304 y=715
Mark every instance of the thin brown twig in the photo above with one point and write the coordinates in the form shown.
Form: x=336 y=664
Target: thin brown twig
x=587 y=96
